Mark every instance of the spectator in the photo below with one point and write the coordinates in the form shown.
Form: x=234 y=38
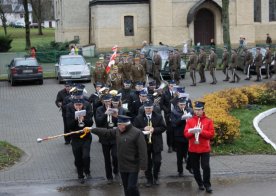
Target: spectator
x=268 y=39
x=72 y=50
x=33 y=52
x=212 y=43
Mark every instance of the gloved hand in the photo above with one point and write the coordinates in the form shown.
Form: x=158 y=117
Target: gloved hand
x=86 y=130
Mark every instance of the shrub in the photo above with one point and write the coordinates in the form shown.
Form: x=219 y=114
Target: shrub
x=5 y=43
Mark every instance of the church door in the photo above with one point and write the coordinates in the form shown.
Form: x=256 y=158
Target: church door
x=204 y=27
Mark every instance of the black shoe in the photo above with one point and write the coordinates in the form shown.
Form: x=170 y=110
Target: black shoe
x=247 y=79
x=266 y=77
x=156 y=181
x=232 y=81
x=170 y=150
x=148 y=183
x=88 y=176
x=67 y=142
x=180 y=174
x=212 y=83
x=201 y=187
x=209 y=190
x=81 y=180
x=258 y=80
x=225 y=80
x=193 y=85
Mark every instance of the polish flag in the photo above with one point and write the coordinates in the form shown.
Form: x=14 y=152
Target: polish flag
x=112 y=59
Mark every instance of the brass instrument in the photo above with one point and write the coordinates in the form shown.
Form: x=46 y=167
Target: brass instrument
x=197 y=133
x=109 y=120
x=78 y=114
x=150 y=135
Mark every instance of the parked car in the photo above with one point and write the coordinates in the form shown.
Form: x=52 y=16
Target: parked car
x=24 y=69
x=72 y=67
x=163 y=51
x=35 y=25
x=241 y=56
x=19 y=24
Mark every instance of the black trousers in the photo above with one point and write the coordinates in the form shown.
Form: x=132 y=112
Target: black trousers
x=130 y=183
x=81 y=151
x=181 y=153
x=197 y=160
x=66 y=138
x=110 y=154
x=169 y=131
x=154 y=163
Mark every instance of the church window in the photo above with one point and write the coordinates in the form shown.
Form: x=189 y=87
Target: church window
x=272 y=10
x=257 y=11
x=129 y=27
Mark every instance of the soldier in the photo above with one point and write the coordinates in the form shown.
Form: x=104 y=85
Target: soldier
x=248 y=62
x=99 y=74
x=179 y=115
x=94 y=98
x=115 y=79
x=137 y=53
x=212 y=64
x=156 y=66
x=61 y=104
x=119 y=63
x=192 y=65
x=108 y=145
x=152 y=122
x=81 y=143
x=267 y=59
x=202 y=62
x=143 y=61
x=177 y=64
x=165 y=104
x=224 y=62
x=172 y=65
x=138 y=72
x=127 y=65
x=233 y=66
x=258 y=63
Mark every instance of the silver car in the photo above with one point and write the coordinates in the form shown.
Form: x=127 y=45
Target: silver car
x=72 y=67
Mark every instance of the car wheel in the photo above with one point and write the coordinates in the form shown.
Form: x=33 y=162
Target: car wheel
x=40 y=82
x=13 y=83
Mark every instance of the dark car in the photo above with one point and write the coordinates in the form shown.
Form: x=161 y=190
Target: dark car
x=163 y=51
x=24 y=69
x=241 y=56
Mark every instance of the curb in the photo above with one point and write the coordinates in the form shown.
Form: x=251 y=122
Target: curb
x=256 y=121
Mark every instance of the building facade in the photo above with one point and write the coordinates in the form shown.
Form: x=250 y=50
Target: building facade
x=129 y=22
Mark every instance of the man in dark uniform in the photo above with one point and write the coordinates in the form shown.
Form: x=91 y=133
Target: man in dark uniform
x=99 y=74
x=131 y=152
x=154 y=124
x=192 y=65
x=165 y=104
x=134 y=95
x=108 y=145
x=258 y=63
x=202 y=63
x=94 y=98
x=225 y=63
x=125 y=91
x=233 y=66
x=212 y=65
x=137 y=72
x=80 y=142
x=151 y=90
x=248 y=62
x=267 y=59
x=136 y=104
x=156 y=66
x=199 y=130
x=179 y=115
x=60 y=103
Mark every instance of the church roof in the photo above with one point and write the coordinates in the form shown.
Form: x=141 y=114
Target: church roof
x=113 y=2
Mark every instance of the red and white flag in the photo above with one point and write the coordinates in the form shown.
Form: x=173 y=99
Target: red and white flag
x=112 y=59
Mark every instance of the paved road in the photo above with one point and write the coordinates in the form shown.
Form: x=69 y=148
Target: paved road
x=28 y=112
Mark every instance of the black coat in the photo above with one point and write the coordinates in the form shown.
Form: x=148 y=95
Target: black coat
x=165 y=102
x=159 y=126
x=96 y=101
x=62 y=94
x=126 y=93
x=72 y=123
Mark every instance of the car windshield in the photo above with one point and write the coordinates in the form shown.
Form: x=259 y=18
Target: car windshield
x=163 y=54
x=72 y=61
x=26 y=62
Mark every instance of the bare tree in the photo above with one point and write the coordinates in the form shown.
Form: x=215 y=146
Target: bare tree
x=27 y=25
x=225 y=23
x=37 y=10
x=3 y=17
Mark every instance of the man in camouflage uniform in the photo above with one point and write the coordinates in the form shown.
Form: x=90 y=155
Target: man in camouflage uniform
x=233 y=66
x=99 y=74
x=177 y=64
x=192 y=66
x=212 y=64
x=258 y=63
x=127 y=64
x=156 y=66
x=138 y=72
x=224 y=62
x=202 y=63
x=248 y=62
x=143 y=61
x=115 y=79
x=267 y=59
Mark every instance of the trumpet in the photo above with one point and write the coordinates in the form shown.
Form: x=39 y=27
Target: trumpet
x=197 y=133
x=150 y=135
x=109 y=120
x=79 y=114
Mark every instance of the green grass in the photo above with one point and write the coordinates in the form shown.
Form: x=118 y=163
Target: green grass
x=249 y=142
x=8 y=154
x=18 y=35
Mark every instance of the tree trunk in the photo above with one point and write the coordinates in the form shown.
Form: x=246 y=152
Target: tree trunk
x=37 y=10
x=225 y=23
x=3 y=19
x=27 y=25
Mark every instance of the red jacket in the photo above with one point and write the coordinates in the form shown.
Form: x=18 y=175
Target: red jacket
x=206 y=134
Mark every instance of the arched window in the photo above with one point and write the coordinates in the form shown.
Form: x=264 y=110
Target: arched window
x=272 y=10
x=257 y=11
x=129 y=26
